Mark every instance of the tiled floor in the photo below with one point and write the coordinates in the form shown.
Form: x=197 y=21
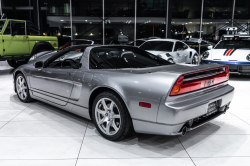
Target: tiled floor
x=39 y=134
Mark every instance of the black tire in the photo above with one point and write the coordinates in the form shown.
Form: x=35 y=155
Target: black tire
x=125 y=126
x=195 y=59
x=13 y=63
x=27 y=99
x=41 y=50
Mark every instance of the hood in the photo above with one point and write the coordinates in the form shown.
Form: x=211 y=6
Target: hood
x=157 y=52
x=229 y=54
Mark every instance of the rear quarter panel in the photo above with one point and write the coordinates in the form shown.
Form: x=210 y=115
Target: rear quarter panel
x=132 y=88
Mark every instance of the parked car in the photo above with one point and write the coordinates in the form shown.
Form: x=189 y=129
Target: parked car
x=124 y=88
x=77 y=42
x=234 y=53
x=21 y=40
x=193 y=43
x=139 y=42
x=174 y=51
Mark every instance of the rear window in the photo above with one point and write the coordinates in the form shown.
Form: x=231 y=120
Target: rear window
x=123 y=57
x=158 y=46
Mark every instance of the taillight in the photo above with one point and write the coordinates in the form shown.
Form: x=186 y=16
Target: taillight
x=181 y=86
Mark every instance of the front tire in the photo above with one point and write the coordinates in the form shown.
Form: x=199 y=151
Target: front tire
x=22 y=88
x=111 y=117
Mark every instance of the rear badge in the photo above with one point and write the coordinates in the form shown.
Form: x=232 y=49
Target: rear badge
x=210 y=82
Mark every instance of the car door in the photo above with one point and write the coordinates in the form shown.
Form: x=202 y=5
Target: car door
x=54 y=82
x=15 y=39
x=180 y=50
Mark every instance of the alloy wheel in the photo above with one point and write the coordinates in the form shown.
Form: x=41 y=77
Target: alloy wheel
x=107 y=116
x=21 y=87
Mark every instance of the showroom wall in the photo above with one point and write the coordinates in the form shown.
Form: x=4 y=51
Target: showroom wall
x=182 y=18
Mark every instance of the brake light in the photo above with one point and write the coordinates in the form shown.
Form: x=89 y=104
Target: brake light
x=54 y=44
x=181 y=86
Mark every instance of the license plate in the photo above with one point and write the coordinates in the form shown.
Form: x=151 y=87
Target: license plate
x=212 y=108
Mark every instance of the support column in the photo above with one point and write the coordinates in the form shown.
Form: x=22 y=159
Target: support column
x=233 y=13
x=168 y=18
x=71 y=19
x=36 y=12
x=1 y=11
x=202 y=4
x=103 y=24
x=135 y=23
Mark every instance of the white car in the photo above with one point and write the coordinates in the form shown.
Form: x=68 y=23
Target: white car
x=174 y=51
x=234 y=53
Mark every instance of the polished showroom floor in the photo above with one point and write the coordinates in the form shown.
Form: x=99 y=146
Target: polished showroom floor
x=39 y=134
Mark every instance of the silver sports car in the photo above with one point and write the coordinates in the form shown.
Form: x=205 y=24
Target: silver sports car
x=125 y=89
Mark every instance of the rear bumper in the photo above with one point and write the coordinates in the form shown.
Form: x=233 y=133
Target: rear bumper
x=242 y=68
x=173 y=116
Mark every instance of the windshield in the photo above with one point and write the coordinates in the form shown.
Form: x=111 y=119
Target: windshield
x=158 y=46
x=233 y=44
x=123 y=57
x=1 y=24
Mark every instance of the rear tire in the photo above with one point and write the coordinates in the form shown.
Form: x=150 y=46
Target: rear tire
x=41 y=50
x=13 y=63
x=111 y=117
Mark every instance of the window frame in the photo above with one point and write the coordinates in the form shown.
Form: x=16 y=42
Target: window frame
x=10 y=22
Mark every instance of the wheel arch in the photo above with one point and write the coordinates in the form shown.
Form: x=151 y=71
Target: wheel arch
x=20 y=72
x=42 y=44
x=99 y=90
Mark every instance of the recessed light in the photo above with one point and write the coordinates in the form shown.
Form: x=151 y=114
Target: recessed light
x=61 y=20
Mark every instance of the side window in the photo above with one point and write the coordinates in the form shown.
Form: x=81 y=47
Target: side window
x=7 y=29
x=68 y=60
x=179 y=45
x=18 y=28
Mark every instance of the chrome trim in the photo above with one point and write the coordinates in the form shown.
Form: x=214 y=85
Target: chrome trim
x=59 y=80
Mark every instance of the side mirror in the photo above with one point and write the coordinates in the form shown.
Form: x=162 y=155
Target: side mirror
x=38 y=65
x=210 y=47
x=180 y=49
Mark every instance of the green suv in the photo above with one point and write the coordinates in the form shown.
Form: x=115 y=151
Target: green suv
x=20 y=40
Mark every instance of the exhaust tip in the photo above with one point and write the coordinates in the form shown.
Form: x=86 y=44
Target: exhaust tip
x=184 y=131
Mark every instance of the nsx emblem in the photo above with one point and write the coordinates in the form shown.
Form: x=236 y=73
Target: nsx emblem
x=210 y=82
